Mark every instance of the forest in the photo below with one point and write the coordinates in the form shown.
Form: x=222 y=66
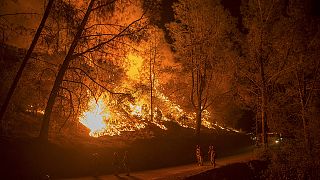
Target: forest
x=83 y=73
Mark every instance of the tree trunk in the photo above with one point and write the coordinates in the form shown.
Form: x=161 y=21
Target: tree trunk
x=46 y=118
x=198 y=120
x=24 y=62
x=257 y=127
x=199 y=102
x=151 y=86
x=305 y=129
x=263 y=106
x=303 y=97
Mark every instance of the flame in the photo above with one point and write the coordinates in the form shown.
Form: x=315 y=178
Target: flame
x=136 y=110
x=96 y=117
x=102 y=119
x=111 y=118
x=135 y=66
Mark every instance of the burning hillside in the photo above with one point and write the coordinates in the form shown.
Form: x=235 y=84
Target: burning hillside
x=105 y=115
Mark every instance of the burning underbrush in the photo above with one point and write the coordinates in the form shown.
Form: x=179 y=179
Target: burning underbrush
x=107 y=117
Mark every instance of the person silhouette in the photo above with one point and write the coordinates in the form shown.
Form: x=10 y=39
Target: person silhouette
x=125 y=163
x=212 y=155
x=116 y=163
x=199 y=155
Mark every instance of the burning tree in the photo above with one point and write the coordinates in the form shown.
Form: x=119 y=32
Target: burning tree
x=91 y=37
x=88 y=62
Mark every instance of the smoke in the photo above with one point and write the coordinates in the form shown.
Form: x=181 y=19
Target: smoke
x=19 y=20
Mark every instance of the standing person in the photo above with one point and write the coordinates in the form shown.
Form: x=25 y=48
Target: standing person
x=125 y=163
x=199 y=156
x=212 y=155
x=116 y=163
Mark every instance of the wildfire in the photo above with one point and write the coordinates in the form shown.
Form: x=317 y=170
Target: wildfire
x=137 y=109
x=134 y=67
x=96 y=117
x=105 y=118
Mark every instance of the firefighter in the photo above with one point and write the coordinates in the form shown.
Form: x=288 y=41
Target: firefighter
x=199 y=156
x=125 y=163
x=212 y=155
x=116 y=163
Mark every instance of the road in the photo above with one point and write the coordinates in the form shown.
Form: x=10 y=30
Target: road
x=173 y=173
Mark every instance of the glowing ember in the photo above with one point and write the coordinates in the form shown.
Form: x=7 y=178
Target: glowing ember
x=136 y=110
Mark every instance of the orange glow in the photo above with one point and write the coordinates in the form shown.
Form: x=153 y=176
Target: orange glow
x=136 y=110
x=135 y=66
x=96 y=117
x=103 y=120
x=106 y=118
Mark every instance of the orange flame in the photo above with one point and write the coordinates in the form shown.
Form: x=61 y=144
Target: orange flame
x=96 y=117
x=101 y=118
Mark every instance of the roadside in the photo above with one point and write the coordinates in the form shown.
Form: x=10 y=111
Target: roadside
x=178 y=172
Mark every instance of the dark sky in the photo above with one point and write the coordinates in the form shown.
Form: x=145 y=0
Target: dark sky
x=167 y=13
x=233 y=6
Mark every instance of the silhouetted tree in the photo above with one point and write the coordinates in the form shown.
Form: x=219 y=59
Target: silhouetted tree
x=25 y=60
x=95 y=38
x=259 y=63
x=199 y=33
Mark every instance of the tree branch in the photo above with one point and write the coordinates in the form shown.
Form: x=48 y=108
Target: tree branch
x=103 y=5
x=13 y=14
x=108 y=41
x=93 y=80
x=71 y=105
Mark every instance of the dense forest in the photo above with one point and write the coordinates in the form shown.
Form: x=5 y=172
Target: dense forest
x=105 y=67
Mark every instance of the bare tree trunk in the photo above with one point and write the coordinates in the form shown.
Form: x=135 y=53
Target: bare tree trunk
x=200 y=88
x=302 y=95
x=151 y=86
x=198 y=119
x=305 y=128
x=24 y=62
x=263 y=106
x=153 y=56
x=257 y=134
x=46 y=118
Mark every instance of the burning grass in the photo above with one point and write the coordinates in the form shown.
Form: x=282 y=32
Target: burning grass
x=105 y=117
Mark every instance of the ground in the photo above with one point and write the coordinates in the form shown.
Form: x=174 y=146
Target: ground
x=190 y=171
x=67 y=157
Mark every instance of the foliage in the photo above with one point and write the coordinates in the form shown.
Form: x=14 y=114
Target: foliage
x=200 y=34
x=283 y=41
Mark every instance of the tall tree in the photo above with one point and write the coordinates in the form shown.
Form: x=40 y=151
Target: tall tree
x=94 y=36
x=62 y=70
x=257 y=67
x=302 y=75
x=199 y=35
x=25 y=60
